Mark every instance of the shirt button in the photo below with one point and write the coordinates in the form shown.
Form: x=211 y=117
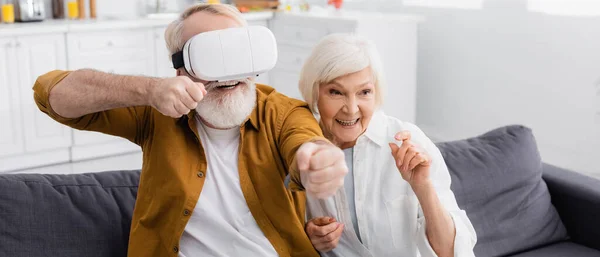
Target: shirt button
x=175 y=249
x=186 y=212
x=200 y=174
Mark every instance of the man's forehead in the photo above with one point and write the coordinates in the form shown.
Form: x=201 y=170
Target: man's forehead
x=203 y=22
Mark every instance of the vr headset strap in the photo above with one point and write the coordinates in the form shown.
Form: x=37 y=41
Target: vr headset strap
x=177 y=59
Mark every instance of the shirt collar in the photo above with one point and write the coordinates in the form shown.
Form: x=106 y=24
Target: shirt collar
x=253 y=118
x=377 y=129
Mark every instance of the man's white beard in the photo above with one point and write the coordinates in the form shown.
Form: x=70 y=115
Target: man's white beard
x=227 y=109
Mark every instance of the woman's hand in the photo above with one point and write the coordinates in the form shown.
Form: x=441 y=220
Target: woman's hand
x=412 y=161
x=324 y=233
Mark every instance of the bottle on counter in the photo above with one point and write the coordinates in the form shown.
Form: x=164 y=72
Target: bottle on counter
x=72 y=10
x=8 y=11
x=93 y=9
x=81 y=6
x=58 y=9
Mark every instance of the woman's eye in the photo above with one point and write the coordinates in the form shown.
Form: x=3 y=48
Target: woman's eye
x=366 y=92
x=334 y=92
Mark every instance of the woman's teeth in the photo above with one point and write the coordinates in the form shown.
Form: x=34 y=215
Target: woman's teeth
x=346 y=122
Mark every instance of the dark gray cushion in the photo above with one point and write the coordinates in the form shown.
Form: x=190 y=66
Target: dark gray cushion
x=561 y=250
x=66 y=215
x=497 y=180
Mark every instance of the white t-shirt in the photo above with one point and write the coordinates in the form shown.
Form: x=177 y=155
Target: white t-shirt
x=221 y=224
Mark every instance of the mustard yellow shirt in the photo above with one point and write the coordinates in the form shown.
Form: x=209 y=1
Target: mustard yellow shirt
x=174 y=167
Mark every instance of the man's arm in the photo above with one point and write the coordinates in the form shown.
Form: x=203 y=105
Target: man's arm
x=314 y=164
x=86 y=91
x=112 y=104
x=297 y=127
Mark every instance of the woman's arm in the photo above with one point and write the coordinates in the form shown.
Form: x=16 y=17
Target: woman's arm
x=440 y=228
x=444 y=229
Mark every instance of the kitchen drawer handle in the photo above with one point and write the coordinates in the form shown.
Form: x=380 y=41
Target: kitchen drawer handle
x=298 y=60
x=110 y=43
x=18 y=44
x=9 y=45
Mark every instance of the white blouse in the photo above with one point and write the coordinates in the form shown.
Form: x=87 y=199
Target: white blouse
x=390 y=219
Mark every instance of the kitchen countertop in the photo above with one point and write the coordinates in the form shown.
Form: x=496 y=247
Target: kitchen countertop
x=163 y=19
x=328 y=13
x=57 y=26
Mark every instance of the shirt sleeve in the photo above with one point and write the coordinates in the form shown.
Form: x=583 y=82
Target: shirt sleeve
x=298 y=126
x=465 y=237
x=129 y=123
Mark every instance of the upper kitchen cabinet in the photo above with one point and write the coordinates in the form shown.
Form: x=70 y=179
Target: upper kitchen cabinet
x=395 y=36
x=121 y=51
x=29 y=137
x=40 y=54
x=164 y=65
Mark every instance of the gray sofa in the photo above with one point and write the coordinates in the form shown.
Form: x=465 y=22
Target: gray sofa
x=518 y=205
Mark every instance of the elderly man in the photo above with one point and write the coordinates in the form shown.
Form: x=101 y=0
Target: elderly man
x=216 y=154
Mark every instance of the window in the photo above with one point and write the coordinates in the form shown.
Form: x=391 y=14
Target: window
x=566 y=7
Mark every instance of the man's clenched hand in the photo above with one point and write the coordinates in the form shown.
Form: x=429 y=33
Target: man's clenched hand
x=322 y=168
x=176 y=96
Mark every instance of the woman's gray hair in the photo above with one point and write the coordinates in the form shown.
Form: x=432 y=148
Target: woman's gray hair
x=337 y=55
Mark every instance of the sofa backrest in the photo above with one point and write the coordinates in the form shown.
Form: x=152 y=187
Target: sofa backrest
x=497 y=180
x=67 y=215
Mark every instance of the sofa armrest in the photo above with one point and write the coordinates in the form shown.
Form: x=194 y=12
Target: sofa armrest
x=576 y=197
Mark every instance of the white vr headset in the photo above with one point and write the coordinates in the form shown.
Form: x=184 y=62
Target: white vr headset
x=228 y=54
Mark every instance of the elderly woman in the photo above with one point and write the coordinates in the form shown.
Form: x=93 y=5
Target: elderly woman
x=396 y=199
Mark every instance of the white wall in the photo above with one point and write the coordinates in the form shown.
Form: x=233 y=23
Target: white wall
x=498 y=63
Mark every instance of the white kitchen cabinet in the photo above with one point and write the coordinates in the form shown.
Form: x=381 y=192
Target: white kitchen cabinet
x=30 y=138
x=38 y=55
x=164 y=65
x=125 y=52
x=394 y=35
x=11 y=127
